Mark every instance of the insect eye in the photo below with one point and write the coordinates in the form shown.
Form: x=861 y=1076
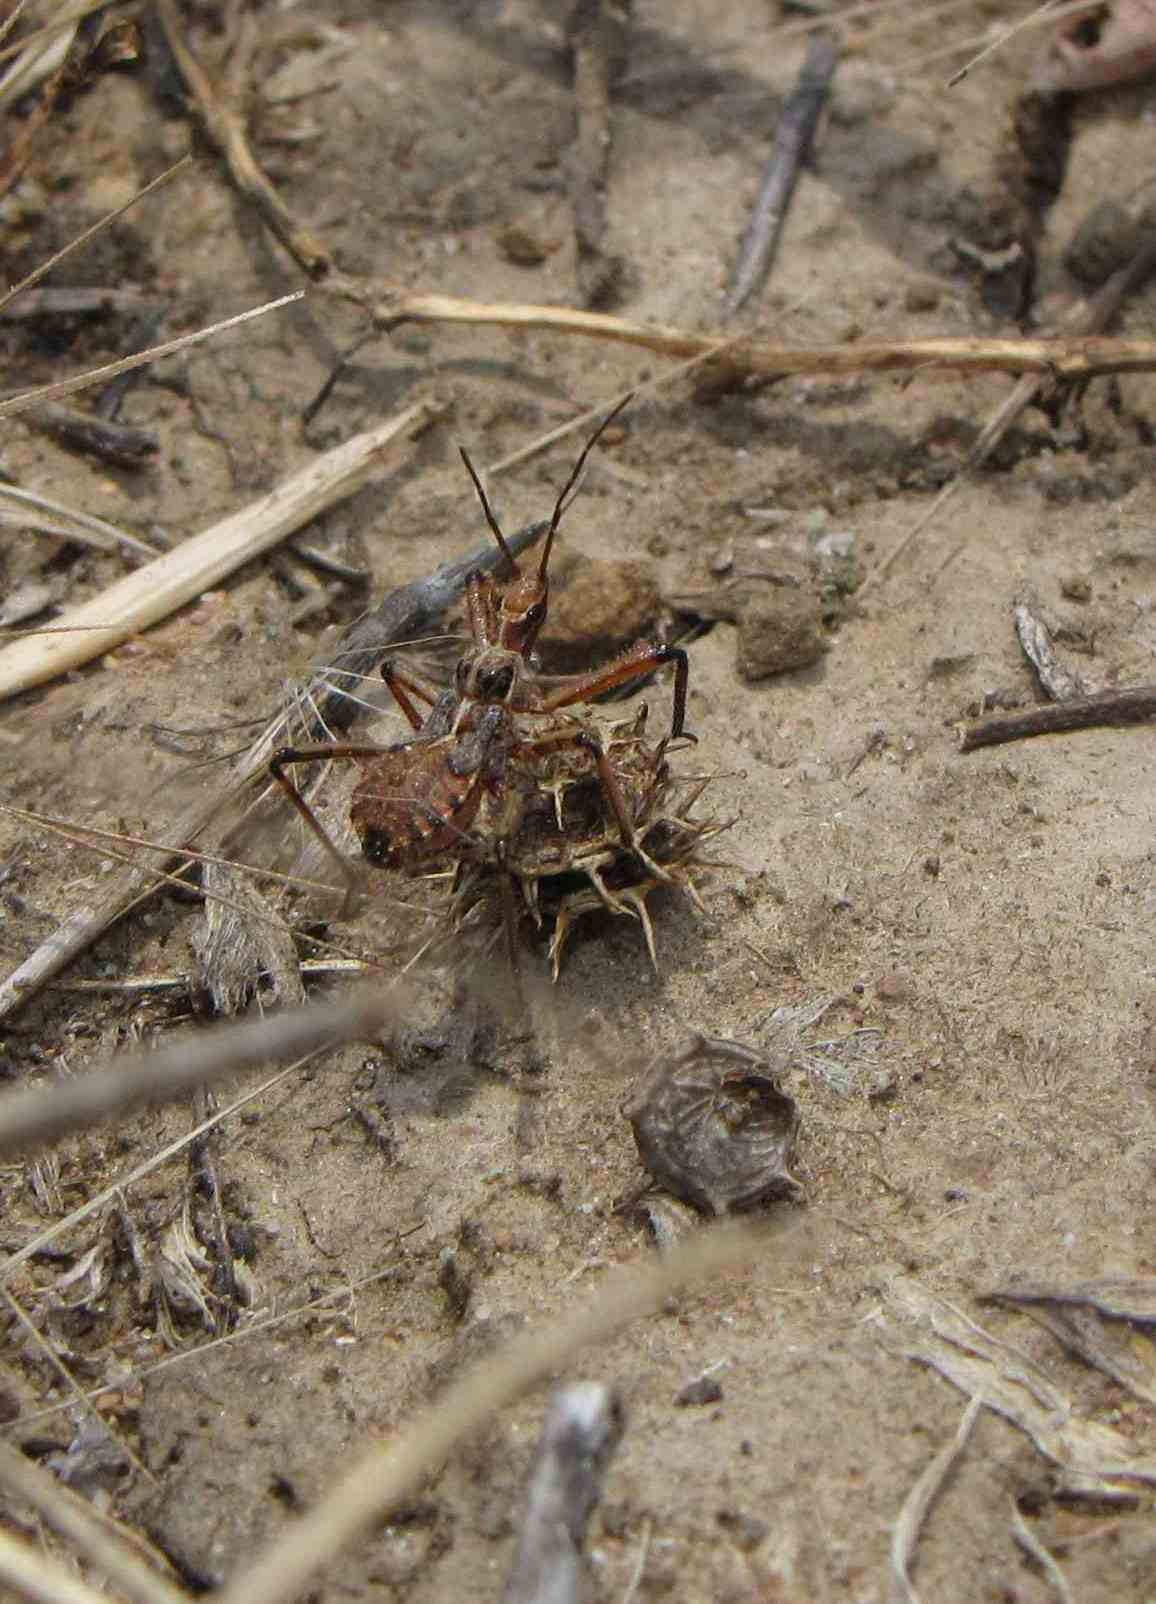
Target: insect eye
x=494 y=684
x=536 y=613
x=376 y=845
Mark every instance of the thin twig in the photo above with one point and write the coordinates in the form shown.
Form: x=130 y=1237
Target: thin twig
x=54 y=1362
x=147 y=1080
x=581 y=1433
x=58 y=300
x=91 y=1533
x=225 y=130
x=84 y=527
x=1048 y=359
x=919 y=1500
x=121 y=444
x=1032 y=1546
x=597 y=31
x=24 y=399
x=1128 y=704
x=170 y=581
x=1042 y=13
x=385 y=1474
x=791 y=148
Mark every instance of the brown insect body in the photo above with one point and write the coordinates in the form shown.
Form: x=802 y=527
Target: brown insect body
x=477 y=788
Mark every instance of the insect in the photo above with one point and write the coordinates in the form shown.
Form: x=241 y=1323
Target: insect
x=420 y=803
x=567 y=857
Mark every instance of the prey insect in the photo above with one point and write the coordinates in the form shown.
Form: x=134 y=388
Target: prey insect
x=456 y=791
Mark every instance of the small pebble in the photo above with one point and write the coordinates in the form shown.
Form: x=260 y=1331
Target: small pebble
x=703 y=1390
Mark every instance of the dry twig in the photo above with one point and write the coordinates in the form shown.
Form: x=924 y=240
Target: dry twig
x=1129 y=704
x=582 y=1430
x=225 y=130
x=919 y=1500
x=1032 y=1546
x=793 y=140
x=598 y=39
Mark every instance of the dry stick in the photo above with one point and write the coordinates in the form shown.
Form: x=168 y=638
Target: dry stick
x=598 y=38
x=1050 y=359
x=1078 y=329
x=1059 y=682
x=1130 y=704
x=792 y=146
x=404 y=613
x=24 y=399
x=580 y=1436
x=1032 y=1546
x=225 y=131
x=146 y=1080
x=389 y=1471
x=121 y=444
x=34 y=1575
x=91 y=1533
x=168 y=583
x=58 y=301
x=89 y=530
x=920 y=1499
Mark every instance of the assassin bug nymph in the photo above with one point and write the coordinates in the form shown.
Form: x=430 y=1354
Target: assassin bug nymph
x=416 y=802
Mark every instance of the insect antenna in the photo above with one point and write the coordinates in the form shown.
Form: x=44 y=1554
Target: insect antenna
x=495 y=529
x=561 y=503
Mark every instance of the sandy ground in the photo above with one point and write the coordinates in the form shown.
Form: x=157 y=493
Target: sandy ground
x=985 y=912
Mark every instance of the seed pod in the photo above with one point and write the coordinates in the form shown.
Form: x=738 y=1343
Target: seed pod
x=713 y=1126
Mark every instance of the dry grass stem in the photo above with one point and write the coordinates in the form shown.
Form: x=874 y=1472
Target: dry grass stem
x=226 y=131
x=93 y=1535
x=83 y=381
x=919 y=1500
x=160 y=588
x=1059 y=358
x=1034 y=19
x=1032 y=1546
x=389 y=1471
x=37 y=1576
x=83 y=527
x=141 y=1080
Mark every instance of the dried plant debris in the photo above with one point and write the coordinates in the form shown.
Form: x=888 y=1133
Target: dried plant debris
x=845 y=1064
x=581 y=1433
x=566 y=850
x=1097 y=1320
x=1091 y=1460
x=713 y=1126
x=243 y=944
